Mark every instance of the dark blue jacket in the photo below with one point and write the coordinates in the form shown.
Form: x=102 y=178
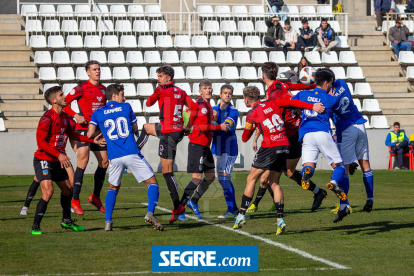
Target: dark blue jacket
x=382 y=5
x=410 y=7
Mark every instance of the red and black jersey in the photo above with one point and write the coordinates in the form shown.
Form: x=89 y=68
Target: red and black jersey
x=268 y=117
x=90 y=98
x=286 y=87
x=52 y=134
x=171 y=101
x=203 y=124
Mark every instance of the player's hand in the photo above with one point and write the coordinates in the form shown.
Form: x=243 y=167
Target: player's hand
x=318 y=108
x=64 y=161
x=80 y=119
x=215 y=115
x=254 y=146
x=99 y=140
x=326 y=41
x=187 y=131
x=224 y=127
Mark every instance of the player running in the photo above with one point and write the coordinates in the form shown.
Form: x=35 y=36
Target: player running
x=90 y=96
x=274 y=151
x=170 y=130
x=353 y=144
x=200 y=158
x=315 y=132
x=50 y=159
x=292 y=119
x=117 y=121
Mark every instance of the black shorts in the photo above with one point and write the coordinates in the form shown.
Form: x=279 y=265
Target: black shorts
x=200 y=159
x=94 y=147
x=273 y=158
x=295 y=148
x=45 y=170
x=168 y=142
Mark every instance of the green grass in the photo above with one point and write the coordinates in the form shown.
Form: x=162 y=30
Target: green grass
x=378 y=243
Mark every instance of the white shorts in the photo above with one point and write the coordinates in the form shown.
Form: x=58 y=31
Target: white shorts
x=224 y=163
x=315 y=142
x=136 y=163
x=354 y=145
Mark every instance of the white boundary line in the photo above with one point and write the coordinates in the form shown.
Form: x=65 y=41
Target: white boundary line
x=277 y=244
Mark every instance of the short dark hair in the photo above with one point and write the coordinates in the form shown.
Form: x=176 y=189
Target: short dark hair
x=287 y=21
x=227 y=86
x=51 y=92
x=90 y=62
x=397 y=124
x=276 y=16
x=398 y=20
x=322 y=75
x=304 y=20
x=204 y=83
x=270 y=70
x=167 y=70
x=323 y=19
x=113 y=89
x=251 y=92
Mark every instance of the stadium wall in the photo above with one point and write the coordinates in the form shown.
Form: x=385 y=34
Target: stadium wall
x=17 y=150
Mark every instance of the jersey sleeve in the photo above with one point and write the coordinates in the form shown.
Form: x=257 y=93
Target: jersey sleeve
x=43 y=129
x=203 y=118
x=249 y=127
x=233 y=116
x=294 y=103
x=76 y=93
x=299 y=86
x=94 y=120
x=295 y=97
x=337 y=101
x=154 y=97
x=132 y=114
x=193 y=108
x=76 y=136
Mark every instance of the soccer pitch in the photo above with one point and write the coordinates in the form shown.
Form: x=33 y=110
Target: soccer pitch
x=376 y=243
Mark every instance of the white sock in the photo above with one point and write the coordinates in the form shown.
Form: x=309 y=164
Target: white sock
x=370 y=198
x=342 y=206
x=316 y=190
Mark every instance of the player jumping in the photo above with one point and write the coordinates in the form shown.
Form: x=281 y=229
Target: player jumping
x=50 y=159
x=118 y=124
x=90 y=96
x=274 y=151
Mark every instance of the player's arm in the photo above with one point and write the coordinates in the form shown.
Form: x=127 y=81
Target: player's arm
x=231 y=120
x=299 y=86
x=135 y=129
x=75 y=94
x=388 y=141
x=255 y=139
x=99 y=140
x=93 y=128
x=318 y=107
x=45 y=124
x=154 y=97
x=193 y=110
x=204 y=124
x=248 y=128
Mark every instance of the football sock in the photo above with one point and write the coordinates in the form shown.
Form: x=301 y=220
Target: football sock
x=279 y=210
x=65 y=203
x=228 y=192
x=245 y=204
x=172 y=188
x=110 y=201
x=269 y=188
x=201 y=189
x=260 y=193
x=142 y=139
x=31 y=193
x=312 y=170
x=188 y=192
x=99 y=178
x=338 y=173
x=297 y=177
x=233 y=192
x=77 y=182
x=344 y=184
x=369 y=184
x=40 y=211
x=153 y=195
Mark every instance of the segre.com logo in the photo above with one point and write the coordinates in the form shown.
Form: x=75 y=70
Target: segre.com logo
x=205 y=258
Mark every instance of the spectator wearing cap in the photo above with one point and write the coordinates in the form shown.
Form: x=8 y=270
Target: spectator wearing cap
x=307 y=38
x=398 y=37
x=326 y=37
x=290 y=38
x=398 y=141
x=274 y=34
x=382 y=7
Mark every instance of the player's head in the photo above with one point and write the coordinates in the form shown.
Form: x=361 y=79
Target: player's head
x=115 y=92
x=397 y=127
x=205 y=90
x=324 y=79
x=93 y=69
x=251 y=95
x=269 y=71
x=54 y=95
x=226 y=93
x=165 y=74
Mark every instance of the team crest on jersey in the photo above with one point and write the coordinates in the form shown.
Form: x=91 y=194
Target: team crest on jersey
x=204 y=110
x=99 y=98
x=177 y=96
x=45 y=172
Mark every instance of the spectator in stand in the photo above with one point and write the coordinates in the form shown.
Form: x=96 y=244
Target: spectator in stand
x=326 y=37
x=398 y=37
x=290 y=38
x=274 y=34
x=307 y=38
x=410 y=7
x=304 y=62
x=277 y=8
x=398 y=142
x=382 y=7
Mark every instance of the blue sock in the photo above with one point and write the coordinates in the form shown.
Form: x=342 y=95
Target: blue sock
x=234 y=196
x=227 y=191
x=110 y=201
x=369 y=184
x=312 y=170
x=344 y=184
x=153 y=195
x=338 y=173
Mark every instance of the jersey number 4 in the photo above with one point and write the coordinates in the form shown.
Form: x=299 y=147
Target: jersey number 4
x=121 y=126
x=276 y=123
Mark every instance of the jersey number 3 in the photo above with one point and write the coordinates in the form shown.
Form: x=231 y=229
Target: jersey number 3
x=121 y=126
x=276 y=122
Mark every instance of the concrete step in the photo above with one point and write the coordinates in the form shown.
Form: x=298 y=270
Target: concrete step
x=363 y=40
x=12 y=56
x=23 y=72
x=14 y=80
x=403 y=111
x=381 y=71
x=20 y=89
x=358 y=25
x=23 y=105
x=370 y=48
x=361 y=18
x=377 y=64
x=10 y=17
x=390 y=80
x=8 y=26
x=5 y=97
x=22 y=130
x=36 y=114
x=19 y=123
x=15 y=48
x=12 y=33
x=12 y=40
x=389 y=88
x=17 y=64
x=404 y=120
x=365 y=32
x=397 y=104
x=373 y=55
x=393 y=95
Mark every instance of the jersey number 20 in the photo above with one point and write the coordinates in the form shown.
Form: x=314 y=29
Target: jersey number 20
x=121 y=126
